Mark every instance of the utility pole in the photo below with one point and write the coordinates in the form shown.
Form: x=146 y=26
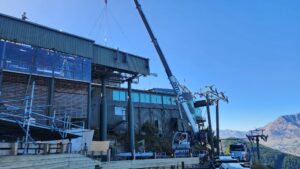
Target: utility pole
x=255 y=136
x=212 y=95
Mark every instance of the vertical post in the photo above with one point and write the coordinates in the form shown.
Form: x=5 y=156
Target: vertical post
x=89 y=108
x=131 y=121
x=217 y=127
x=103 y=113
x=28 y=118
x=257 y=148
x=51 y=89
x=210 y=135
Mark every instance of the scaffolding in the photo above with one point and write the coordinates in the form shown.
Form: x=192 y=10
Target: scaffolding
x=29 y=123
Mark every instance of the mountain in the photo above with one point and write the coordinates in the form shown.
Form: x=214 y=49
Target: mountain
x=232 y=134
x=284 y=134
x=269 y=157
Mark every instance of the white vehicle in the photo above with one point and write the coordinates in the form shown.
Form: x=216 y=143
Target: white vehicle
x=239 y=152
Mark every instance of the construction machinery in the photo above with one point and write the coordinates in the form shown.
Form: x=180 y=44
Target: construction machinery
x=180 y=143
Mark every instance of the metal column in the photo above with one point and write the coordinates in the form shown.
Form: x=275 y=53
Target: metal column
x=211 y=139
x=131 y=121
x=51 y=89
x=103 y=112
x=217 y=127
x=89 y=107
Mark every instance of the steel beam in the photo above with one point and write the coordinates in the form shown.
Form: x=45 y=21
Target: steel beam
x=103 y=113
x=89 y=107
x=51 y=88
x=131 y=121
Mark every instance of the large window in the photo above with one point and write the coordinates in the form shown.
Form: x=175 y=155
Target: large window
x=156 y=99
x=25 y=58
x=135 y=97
x=145 y=98
x=120 y=111
x=119 y=95
x=168 y=100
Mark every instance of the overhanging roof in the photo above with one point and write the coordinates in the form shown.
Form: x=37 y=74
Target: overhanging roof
x=17 y=30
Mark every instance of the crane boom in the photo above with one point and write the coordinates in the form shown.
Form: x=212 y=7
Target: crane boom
x=185 y=98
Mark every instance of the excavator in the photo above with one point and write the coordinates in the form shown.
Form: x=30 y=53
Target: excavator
x=185 y=98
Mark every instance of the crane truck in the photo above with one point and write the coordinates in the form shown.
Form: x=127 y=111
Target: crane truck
x=185 y=98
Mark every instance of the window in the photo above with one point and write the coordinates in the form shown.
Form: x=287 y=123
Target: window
x=156 y=99
x=135 y=97
x=173 y=100
x=119 y=95
x=120 y=111
x=145 y=98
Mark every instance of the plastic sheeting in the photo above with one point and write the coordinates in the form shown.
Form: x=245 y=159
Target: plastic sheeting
x=27 y=59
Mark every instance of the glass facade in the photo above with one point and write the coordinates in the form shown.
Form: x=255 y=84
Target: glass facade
x=27 y=59
x=119 y=95
x=145 y=98
x=156 y=99
x=135 y=97
x=169 y=100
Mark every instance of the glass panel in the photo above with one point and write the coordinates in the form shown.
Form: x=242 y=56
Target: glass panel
x=122 y=96
x=173 y=100
x=116 y=95
x=167 y=100
x=18 y=57
x=158 y=99
x=145 y=98
x=153 y=99
x=135 y=97
x=120 y=111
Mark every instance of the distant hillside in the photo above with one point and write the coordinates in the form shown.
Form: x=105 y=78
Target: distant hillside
x=271 y=157
x=284 y=134
x=232 y=134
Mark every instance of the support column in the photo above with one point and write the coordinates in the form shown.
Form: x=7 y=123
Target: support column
x=210 y=135
x=103 y=113
x=257 y=148
x=89 y=107
x=131 y=121
x=217 y=127
x=51 y=88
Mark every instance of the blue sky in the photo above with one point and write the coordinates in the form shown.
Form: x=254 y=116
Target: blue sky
x=249 y=49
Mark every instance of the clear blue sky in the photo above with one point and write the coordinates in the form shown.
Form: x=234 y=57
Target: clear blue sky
x=249 y=49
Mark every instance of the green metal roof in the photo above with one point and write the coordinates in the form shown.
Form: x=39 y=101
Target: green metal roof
x=17 y=30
